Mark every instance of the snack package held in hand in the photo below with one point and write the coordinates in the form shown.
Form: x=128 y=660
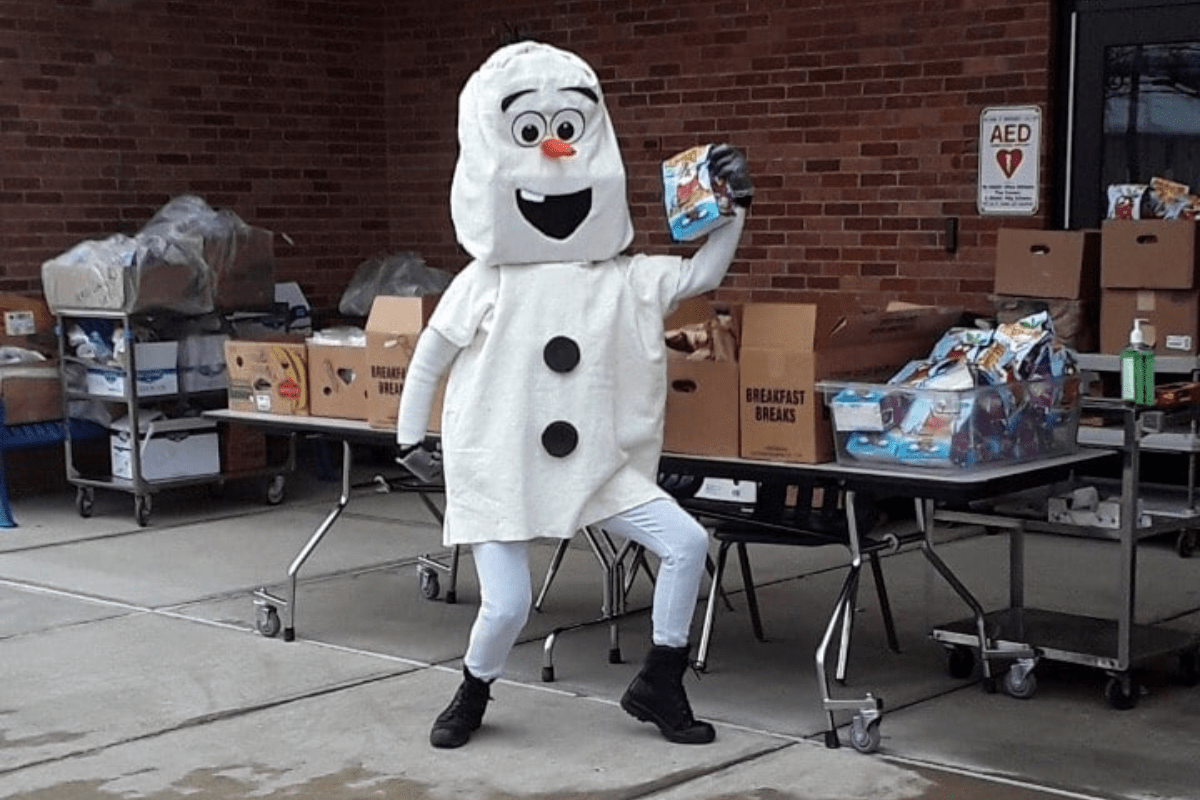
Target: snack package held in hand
x=696 y=203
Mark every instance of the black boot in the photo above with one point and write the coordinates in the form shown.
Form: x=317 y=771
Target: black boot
x=656 y=695
x=464 y=715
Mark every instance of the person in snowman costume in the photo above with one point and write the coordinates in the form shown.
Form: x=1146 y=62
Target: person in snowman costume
x=553 y=339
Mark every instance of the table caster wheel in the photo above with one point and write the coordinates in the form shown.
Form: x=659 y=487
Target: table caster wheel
x=85 y=501
x=960 y=661
x=865 y=736
x=267 y=621
x=1185 y=543
x=275 y=490
x=1122 y=692
x=430 y=586
x=141 y=509
x=1019 y=682
x=1189 y=667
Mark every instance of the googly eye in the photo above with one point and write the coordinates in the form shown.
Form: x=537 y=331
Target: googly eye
x=567 y=125
x=528 y=128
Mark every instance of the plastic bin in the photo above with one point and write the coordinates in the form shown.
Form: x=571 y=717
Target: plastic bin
x=954 y=429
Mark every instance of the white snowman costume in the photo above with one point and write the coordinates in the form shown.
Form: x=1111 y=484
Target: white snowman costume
x=554 y=404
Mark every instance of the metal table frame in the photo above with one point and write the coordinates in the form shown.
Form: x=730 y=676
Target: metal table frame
x=348 y=432
x=927 y=488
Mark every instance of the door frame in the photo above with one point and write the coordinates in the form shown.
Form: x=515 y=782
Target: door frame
x=1086 y=29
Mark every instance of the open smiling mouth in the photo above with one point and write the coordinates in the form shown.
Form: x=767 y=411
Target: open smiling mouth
x=555 y=215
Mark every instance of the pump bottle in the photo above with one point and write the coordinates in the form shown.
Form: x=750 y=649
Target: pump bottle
x=1137 y=368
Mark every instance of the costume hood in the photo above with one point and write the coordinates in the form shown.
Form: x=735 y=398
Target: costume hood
x=539 y=176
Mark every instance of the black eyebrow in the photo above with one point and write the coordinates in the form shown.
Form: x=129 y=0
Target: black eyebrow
x=508 y=101
x=585 y=91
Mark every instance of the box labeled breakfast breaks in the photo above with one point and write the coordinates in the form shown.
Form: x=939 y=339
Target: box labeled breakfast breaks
x=981 y=398
x=696 y=202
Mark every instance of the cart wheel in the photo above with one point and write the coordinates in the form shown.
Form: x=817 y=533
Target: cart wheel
x=1185 y=543
x=865 y=736
x=85 y=501
x=960 y=661
x=1018 y=685
x=267 y=621
x=430 y=588
x=1122 y=692
x=275 y=490
x=1189 y=667
x=141 y=509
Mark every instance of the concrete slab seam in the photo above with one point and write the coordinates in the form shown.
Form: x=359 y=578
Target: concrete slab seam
x=988 y=777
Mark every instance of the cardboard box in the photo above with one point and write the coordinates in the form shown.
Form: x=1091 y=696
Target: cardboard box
x=702 y=395
x=157 y=372
x=243 y=448
x=787 y=348
x=201 y=363
x=169 y=448
x=28 y=324
x=1172 y=317
x=268 y=377
x=30 y=393
x=337 y=380
x=392 y=330
x=1059 y=264
x=1148 y=254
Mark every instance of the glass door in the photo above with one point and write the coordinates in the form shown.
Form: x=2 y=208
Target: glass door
x=1134 y=88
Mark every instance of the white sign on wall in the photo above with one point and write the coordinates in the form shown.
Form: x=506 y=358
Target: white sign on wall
x=1009 y=160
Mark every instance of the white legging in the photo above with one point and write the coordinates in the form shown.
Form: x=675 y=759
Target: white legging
x=506 y=592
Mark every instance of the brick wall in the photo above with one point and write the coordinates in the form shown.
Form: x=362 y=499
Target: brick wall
x=272 y=108
x=334 y=122
x=860 y=122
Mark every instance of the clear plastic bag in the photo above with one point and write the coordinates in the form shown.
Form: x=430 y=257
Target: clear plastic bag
x=403 y=274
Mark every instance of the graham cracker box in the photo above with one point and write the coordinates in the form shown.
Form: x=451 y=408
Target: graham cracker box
x=787 y=348
x=268 y=377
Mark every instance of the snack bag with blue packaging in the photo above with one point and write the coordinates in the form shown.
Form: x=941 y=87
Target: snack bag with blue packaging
x=696 y=201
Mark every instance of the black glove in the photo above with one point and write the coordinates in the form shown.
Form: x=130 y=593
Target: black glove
x=728 y=165
x=424 y=463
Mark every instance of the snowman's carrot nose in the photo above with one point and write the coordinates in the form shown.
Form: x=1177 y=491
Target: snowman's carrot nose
x=556 y=148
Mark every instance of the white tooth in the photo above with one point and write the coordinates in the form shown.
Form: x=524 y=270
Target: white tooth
x=532 y=197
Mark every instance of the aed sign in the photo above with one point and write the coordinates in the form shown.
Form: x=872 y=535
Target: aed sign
x=1009 y=160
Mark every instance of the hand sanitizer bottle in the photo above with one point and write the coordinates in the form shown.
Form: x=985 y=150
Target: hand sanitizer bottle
x=1137 y=368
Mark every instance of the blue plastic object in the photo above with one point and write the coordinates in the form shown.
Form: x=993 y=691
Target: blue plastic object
x=35 y=434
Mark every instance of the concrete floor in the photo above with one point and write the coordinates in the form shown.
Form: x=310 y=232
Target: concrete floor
x=131 y=668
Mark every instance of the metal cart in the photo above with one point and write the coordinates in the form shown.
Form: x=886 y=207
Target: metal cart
x=1024 y=636
x=133 y=401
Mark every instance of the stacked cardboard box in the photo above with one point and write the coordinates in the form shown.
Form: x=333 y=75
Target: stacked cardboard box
x=30 y=391
x=1055 y=271
x=1149 y=272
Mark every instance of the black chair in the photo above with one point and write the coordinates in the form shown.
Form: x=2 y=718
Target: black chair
x=807 y=515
